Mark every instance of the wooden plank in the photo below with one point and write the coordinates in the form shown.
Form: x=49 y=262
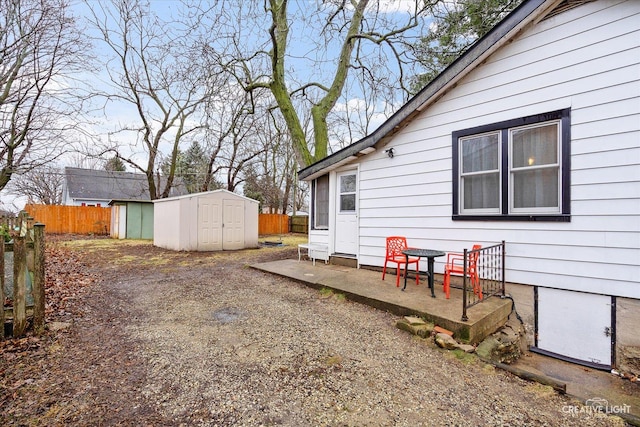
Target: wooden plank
x=72 y=219
x=19 y=286
x=300 y=224
x=38 y=279
x=2 y=316
x=558 y=386
x=273 y=224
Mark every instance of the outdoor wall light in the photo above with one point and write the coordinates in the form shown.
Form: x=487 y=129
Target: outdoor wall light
x=389 y=152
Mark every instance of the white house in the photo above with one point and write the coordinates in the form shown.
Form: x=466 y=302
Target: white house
x=532 y=137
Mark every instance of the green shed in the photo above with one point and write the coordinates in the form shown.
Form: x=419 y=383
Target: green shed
x=131 y=219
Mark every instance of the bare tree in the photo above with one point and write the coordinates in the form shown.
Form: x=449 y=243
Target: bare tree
x=232 y=135
x=42 y=185
x=80 y=160
x=334 y=41
x=278 y=163
x=41 y=51
x=157 y=70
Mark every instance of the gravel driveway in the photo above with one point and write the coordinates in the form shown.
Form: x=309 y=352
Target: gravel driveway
x=166 y=338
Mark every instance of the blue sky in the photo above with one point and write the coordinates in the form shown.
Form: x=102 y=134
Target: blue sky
x=304 y=57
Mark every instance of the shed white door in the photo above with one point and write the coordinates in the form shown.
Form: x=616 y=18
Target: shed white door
x=346 y=229
x=209 y=224
x=122 y=221
x=233 y=224
x=576 y=325
x=119 y=227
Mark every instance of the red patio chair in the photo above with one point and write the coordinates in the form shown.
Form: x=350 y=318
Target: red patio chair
x=455 y=265
x=395 y=246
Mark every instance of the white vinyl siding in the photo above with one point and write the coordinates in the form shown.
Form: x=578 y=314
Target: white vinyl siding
x=586 y=59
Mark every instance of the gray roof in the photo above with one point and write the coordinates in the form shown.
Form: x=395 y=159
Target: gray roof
x=96 y=184
x=527 y=12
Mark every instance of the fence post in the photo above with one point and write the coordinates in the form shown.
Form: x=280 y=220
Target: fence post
x=19 y=286
x=38 y=278
x=503 y=254
x=464 y=287
x=2 y=320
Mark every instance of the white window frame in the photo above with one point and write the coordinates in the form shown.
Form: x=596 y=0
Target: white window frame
x=347 y=193
x=326 y=203
x=485 y=211
x=557 y=165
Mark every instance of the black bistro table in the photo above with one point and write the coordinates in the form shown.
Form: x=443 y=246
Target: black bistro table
x=430 y=255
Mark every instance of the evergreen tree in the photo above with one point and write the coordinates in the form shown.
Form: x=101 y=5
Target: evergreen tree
x=194 y=164
x=115 y=164
x=251 y=187
x=457 y=26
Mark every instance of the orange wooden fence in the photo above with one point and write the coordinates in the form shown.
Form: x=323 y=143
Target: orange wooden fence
x=273 y=224
x=94 y=220
x=72 y=219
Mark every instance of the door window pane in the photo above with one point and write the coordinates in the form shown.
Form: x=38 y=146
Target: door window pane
x=348 y=193
x=347 y=202
x=348 y=184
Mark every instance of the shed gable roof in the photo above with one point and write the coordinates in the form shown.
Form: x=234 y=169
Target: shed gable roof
x=221 y=191
x=528 y=12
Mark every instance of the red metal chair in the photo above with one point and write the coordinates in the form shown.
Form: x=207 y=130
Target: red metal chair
x=395 y=246
x=455 y=265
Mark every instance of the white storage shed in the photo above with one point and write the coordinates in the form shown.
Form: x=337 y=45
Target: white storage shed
x=210 y=221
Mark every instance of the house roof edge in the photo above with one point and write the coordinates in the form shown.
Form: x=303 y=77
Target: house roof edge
x=524 y=14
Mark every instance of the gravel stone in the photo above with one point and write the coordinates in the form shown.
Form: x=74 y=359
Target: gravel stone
x=204 y=340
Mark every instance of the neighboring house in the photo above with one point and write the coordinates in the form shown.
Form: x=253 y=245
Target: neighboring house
x=532 y=137
x=90 y=187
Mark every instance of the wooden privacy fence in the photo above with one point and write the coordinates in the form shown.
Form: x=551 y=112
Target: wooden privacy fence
x=22 y=290
x=299 y=224
x=72 y=219
x=273 y=224
x=97 y=220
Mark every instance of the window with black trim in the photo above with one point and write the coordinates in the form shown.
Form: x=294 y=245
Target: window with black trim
x=514 y=170
x=320 y=203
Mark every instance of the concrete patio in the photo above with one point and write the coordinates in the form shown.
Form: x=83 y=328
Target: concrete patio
x=367 y=287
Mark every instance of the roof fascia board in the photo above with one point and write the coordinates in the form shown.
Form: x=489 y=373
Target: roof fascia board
x=527 y=12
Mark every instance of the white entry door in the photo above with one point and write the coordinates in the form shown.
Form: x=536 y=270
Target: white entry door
x=575 y=325
x=121 y=221
x=233 y=224
x=209 y=224
x=346 y=230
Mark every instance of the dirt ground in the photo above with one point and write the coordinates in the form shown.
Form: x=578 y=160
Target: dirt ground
x=142 y=336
